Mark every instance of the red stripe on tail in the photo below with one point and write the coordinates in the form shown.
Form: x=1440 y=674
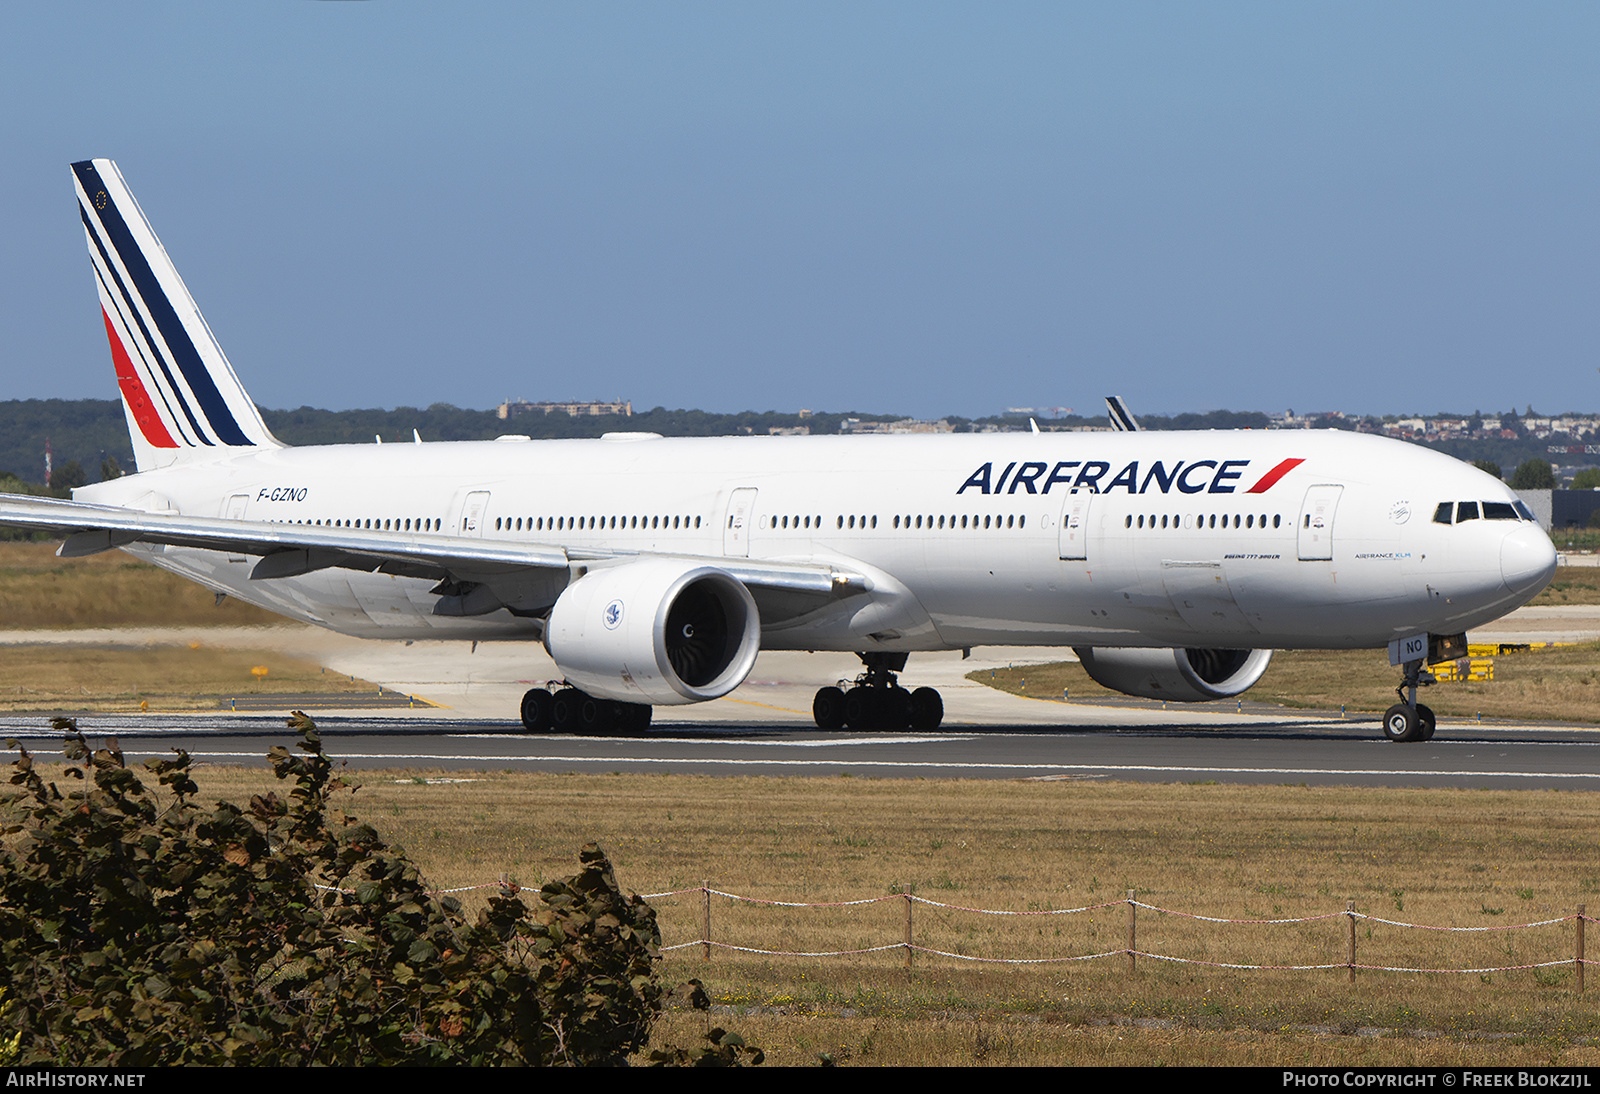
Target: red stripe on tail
x=133 y=393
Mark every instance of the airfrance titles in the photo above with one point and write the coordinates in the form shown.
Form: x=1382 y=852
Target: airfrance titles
x=1187 y=477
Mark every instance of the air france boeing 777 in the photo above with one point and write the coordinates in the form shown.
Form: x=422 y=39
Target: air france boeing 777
x=654 y=569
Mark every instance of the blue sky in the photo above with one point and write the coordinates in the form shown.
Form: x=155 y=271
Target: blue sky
x=924 y=208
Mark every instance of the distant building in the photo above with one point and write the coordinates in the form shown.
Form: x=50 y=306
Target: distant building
x=1572 y=508
x=1558 y=509
x=789 y=431
x=513 y=407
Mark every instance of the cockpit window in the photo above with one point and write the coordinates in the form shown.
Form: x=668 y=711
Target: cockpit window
x=1488 y=510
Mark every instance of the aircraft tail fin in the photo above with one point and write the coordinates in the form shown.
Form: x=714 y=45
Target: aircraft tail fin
x=180 y=394
x=1122 y=419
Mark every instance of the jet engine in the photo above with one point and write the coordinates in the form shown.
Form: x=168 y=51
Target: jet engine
x=658 y=631
x=1177 y=675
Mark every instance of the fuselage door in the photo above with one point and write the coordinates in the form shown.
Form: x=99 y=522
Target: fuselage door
x=477 y=504
x=1314 y=531
x=234 y=510
x=736 y=527
x=1075 y=525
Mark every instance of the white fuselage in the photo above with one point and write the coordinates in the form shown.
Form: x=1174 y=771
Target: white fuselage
x=1065 y=539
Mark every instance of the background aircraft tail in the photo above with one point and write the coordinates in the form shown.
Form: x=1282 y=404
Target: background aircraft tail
x=181 y=397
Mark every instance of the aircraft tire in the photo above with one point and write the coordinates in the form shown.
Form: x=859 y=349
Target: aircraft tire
x=535 y=712
x=827 y=708
x=565 y=710
x=897 y=708
x=861 y=708
x=1401 y=724
x=596 y=716
x=927 y=709
x=633 y=719
x=1426 y=723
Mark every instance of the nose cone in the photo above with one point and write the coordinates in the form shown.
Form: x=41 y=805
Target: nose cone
x=1527 y=559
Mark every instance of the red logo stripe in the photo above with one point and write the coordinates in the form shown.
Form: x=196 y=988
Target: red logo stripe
x=1271 y=477
x=134 y=396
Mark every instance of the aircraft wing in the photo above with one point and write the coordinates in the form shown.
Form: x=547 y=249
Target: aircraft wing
x=519 y=575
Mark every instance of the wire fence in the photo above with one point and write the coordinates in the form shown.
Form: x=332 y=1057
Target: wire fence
x=1131 y=953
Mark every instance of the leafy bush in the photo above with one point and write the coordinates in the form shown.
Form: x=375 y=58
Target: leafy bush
x=140 y=928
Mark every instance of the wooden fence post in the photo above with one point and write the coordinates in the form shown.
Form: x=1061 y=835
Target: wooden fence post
x=705 y=918
x=905 y=892
x=1350 y=914
x=1578 y=960
x=1133 y=930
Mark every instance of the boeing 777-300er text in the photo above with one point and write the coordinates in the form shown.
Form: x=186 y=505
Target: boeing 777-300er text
x=654 y=569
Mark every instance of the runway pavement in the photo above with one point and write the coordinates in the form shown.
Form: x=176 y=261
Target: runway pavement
x=1256 y=750
x=765 y=727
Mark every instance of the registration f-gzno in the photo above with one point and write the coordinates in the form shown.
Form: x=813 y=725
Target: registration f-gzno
x=653 y=570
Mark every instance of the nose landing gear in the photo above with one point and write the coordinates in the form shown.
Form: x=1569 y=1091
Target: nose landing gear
x=1408 y=720
x=877 y=701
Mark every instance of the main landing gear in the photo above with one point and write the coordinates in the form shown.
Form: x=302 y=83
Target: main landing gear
x=877 y=701
x=569 y=710
x=1409 y=720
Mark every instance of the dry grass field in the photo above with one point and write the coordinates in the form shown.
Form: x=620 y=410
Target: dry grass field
x=1476 y=858
x=39 y=591
x=1572 y=585
x=112 y=589
x=157 y=677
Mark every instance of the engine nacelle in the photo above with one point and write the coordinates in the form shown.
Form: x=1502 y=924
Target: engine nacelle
x=1177 y=675
x=658 y=630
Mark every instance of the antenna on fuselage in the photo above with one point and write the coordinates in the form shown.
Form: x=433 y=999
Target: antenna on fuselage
x=1122 y=420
